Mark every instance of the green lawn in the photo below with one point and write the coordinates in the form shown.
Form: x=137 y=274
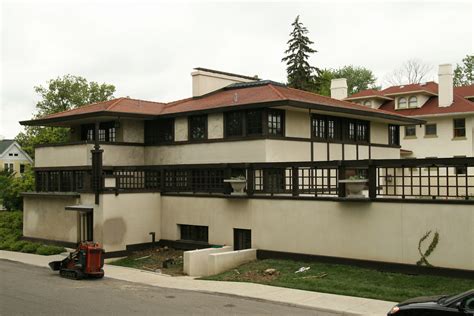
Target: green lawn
x=344 y=280
x=11 y=225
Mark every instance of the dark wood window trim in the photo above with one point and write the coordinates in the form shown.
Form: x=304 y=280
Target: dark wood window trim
x=394 y=135
x=254 y=122
x=459 y=127
x=275 y=122
x=107 y=132
x=159 y=131
x=337 y=129
x=197 y=127
x=194 y=233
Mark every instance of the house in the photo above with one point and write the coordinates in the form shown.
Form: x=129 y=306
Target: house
x=13 y=158
x=447 y=110
x=134 y=170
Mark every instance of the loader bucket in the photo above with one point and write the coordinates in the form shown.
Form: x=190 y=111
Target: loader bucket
x=55 y=265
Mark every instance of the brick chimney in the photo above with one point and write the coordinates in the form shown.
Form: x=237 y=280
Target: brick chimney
x=445 y=85
x=339 y=88
x=208 y=80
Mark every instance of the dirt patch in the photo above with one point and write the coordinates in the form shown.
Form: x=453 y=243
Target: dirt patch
x=258 y=276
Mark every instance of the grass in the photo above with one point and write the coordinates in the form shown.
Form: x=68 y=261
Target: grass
x=11 y=225
x=152 y=260
x=344 y=280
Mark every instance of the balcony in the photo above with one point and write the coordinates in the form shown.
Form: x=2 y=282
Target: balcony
x=439 y=180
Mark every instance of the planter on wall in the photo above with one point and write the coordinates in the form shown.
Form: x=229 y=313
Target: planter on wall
x=355 y=187
x=238 y=185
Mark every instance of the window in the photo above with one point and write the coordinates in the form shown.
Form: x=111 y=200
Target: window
x=459 y=127
x=22 y=168
x=362 y=131
x=234 y=123
x=194 y=233
x=10 y=154
x=402 y=103
x=319 y=127
x=274 y=180
x=254 y=122
x=430 y=130
x=394 y=135
x=368 y=103
x=412 y=102
x=410 y=130
x=242 y=239
x=159 y=131
x=334 y=128
x=107 y=132
x=197 y=127
x=460 y=169
x=351 y=131
x=275 y=122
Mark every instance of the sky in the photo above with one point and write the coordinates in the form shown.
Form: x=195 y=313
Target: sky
x=147 y=49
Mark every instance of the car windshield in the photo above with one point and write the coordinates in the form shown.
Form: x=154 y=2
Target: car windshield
x=447 y=300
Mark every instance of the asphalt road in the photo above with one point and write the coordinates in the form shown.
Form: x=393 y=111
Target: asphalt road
x=30 y=290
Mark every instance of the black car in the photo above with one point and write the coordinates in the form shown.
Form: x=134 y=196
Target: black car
x=461 y=304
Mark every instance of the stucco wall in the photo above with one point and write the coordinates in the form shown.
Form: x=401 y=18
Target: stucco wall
x=118 y=155
x=220 y=262
x=443 y=144
x=297 y=124
x=371 y=231
x=45 y=217
x=63 y=156
x=378 y=133
x=181 y=129
x=131 y=131
x=215 y=126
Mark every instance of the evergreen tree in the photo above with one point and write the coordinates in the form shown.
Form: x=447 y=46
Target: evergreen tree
x=464 y=74
x=300 y=73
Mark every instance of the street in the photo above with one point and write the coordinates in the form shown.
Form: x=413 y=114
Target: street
x=28 y=290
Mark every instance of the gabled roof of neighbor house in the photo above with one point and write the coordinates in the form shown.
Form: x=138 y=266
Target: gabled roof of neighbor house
x=262 y=93
x=460 y=104
x=5 y=144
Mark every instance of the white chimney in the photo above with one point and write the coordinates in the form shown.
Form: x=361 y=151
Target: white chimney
x=208 y=80
x=445 y=85
x=339 y=88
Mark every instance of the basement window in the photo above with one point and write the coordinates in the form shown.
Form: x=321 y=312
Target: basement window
x=194 y=233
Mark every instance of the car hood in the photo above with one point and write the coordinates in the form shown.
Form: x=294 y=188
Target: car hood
x=422 y=299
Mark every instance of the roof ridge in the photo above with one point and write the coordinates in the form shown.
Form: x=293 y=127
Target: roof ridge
x=277 y=92
x=114 y=103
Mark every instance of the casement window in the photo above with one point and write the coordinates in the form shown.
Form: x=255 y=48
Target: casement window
x=362 y=131
x=394 y=135
x=254 y=122
x=274 y=180
x=107 y=132
x=275 y=122
x=197 y=127
x=410 y=130
x=329 y=128
x=194 y=233
x=430 y=130
x=412 y=102
x=319 y=127
x=159 y=131
x=402 y=103
x=459 y=126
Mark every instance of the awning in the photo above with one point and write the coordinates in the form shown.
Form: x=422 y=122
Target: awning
x=80 y=208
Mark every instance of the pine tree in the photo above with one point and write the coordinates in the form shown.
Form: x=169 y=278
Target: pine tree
x=300 y=73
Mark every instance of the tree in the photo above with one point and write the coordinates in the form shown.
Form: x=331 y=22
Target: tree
x=464 y=74
x=61 y=94
x=358 y=79
x=11 y=188
x=411 y=71
x=300 y=73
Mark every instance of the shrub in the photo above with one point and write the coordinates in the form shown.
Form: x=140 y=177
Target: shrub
x=18 y=245
x=46 y=250
x=30 y=247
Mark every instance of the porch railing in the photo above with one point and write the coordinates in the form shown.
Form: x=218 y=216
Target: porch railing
x=433 y=179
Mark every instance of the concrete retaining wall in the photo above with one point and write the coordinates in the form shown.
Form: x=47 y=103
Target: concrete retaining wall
x=220 y=262
x=196 y=261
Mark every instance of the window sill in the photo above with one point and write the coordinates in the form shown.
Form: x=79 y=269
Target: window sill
x=431 y=136
x=410 y=137
x=459 y=138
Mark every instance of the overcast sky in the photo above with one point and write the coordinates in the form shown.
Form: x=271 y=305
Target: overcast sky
x=148 y=49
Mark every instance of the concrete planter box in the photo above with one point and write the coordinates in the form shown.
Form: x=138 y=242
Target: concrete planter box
x=355 y=187
x=238 y=185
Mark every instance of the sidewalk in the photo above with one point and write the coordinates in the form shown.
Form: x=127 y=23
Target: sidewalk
x=336 y=304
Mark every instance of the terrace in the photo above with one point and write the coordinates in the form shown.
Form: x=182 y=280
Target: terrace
x=437 y=180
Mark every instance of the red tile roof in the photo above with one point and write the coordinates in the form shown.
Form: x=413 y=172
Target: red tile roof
x=366 y=94
x=245 y=94
x=460 y=103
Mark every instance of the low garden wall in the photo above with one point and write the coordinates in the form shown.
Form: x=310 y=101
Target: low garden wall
x=196 y=261
x=220 y=262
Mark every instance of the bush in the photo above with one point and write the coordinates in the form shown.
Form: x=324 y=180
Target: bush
x=18 y=245
x=11 y=188
x=30 y=247
x=46 y=250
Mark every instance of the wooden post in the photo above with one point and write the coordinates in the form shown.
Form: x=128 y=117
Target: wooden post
x=341 y=171
x=250 y=180
x=372 y=177
x=294 y=181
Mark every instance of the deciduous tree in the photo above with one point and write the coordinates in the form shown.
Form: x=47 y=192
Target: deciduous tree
x=464 y=73
x=411 y=71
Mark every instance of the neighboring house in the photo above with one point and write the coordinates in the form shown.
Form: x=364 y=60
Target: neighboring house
x=13 y=158
x=447 y=110
x=135 y=167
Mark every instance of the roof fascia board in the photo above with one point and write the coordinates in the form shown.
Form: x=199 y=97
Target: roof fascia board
x=412 y=92
x=374 y=96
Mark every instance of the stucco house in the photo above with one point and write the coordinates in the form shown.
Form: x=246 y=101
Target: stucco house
x=135 y=167
x=447 y=110
x=12 y=157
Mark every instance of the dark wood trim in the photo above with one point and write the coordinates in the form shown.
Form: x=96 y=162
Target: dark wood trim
x=368 y=264
x=206 y=127
x=52 y=194
x=89 y=142
x=60 y=243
